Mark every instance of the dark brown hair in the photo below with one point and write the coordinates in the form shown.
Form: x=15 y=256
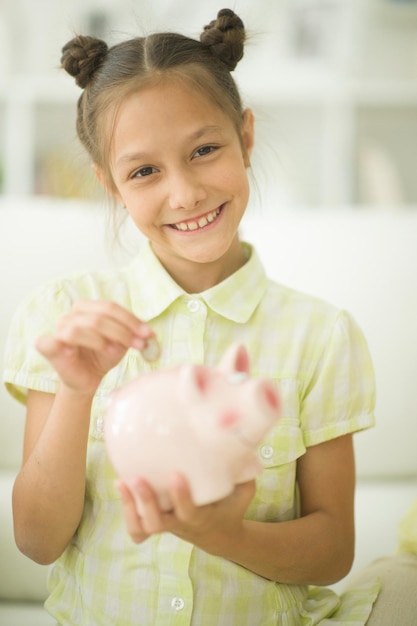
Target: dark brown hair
x=108 y=75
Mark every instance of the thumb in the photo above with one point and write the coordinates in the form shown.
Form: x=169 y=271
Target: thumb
x=51 y=348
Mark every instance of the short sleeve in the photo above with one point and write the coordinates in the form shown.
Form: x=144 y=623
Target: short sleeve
x=339 y=397
x=24 y=366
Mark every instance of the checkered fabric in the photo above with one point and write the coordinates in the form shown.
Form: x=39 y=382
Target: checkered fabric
x=318 y=359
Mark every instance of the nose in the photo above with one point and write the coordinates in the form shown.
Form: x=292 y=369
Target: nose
x=185 y=189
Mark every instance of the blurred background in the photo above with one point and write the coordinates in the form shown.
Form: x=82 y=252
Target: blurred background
x=333 y=84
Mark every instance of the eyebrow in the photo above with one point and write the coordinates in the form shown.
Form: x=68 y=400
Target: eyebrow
x=139 y=156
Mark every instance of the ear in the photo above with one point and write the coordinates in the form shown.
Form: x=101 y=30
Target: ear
x=194 y=381
x=110 y=189
x=99 y=174
x=235 y=359
x=248 y=134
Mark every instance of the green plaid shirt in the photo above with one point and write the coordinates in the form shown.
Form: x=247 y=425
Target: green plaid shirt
x=318 y=359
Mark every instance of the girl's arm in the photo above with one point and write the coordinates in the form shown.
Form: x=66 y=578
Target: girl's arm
x=48 y=495
x=317 y=548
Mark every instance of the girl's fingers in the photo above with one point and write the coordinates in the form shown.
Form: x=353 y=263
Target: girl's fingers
x=184 y=506
x=186 y=520
x=91 y=339
x=152 y=518
x=96 y=324
x=92 y=331
x=112 y=310
x=133 y=521
x=51 y=348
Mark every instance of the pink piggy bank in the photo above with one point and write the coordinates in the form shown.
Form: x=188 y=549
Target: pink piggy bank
x=205 y=422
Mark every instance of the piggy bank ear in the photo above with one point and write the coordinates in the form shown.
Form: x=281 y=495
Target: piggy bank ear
x=194 y=381
x=235 y=359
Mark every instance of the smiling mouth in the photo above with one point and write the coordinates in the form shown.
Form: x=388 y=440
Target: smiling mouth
x=201 y=222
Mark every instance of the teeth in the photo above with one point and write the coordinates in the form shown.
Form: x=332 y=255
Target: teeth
x=203 y=221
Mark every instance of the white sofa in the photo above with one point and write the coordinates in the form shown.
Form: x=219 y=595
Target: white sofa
x=362 y=260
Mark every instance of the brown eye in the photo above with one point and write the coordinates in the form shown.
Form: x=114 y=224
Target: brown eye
x=144 y=171
x=204 y=150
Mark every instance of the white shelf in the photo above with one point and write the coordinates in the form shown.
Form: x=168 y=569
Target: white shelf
x=322 y=90
x=318 y=94
x=54 y=87
x=307 y=86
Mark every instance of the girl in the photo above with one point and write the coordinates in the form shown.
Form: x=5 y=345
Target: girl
x=163 y=123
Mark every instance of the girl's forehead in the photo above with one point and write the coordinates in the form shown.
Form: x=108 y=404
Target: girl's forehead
x=168 y=102
x=171 y=94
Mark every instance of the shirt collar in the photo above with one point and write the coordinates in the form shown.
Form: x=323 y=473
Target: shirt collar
x=153 y=289
x=235 y=298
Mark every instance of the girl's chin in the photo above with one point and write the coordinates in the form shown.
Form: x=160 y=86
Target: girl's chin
x=220 y=252
x=202 y=255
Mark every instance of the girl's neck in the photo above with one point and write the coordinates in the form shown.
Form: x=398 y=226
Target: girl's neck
x=196 y=277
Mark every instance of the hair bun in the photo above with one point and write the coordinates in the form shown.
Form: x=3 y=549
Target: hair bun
x=225 y=37
x=82 y=56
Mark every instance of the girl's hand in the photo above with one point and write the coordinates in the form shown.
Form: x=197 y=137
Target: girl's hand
x=209 y=527
x=90 y=340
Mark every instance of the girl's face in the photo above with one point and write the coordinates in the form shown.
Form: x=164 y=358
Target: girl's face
x=180 y=170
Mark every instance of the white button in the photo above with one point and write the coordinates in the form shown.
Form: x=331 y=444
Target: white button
x=193 y=306
x=267 y=452
x=177 y=604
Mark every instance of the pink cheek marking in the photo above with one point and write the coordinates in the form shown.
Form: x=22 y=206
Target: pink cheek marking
x=228 y=419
